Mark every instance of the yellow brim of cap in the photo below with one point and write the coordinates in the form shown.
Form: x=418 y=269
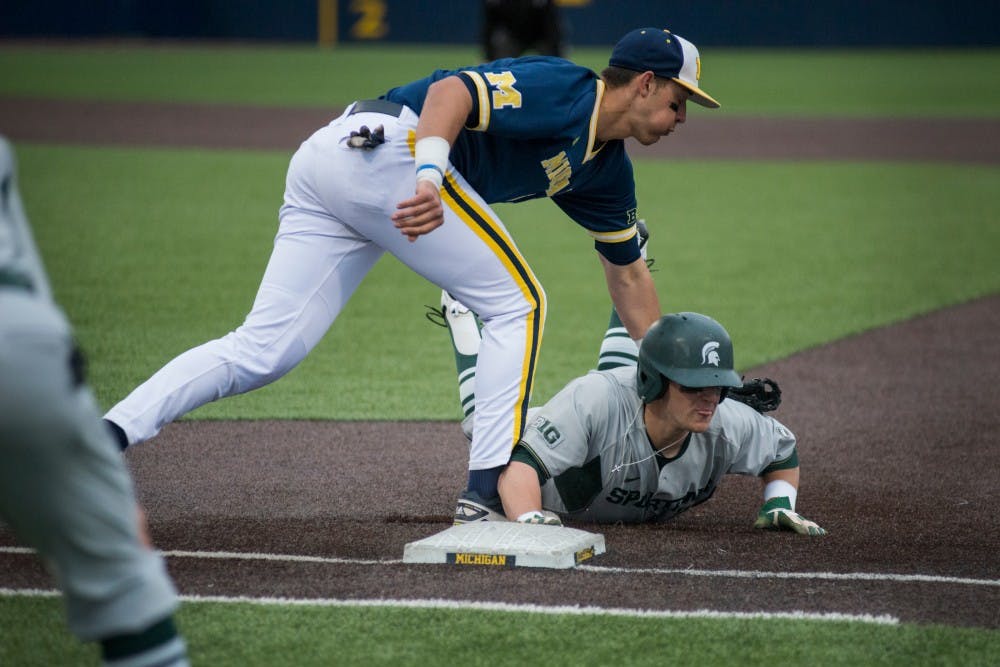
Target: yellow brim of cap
x=699 y=96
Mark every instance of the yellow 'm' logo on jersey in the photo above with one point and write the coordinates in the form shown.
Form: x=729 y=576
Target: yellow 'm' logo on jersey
x=504 y=94
x=558 y=170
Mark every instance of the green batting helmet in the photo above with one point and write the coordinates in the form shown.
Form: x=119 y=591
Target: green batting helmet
x=691 y=349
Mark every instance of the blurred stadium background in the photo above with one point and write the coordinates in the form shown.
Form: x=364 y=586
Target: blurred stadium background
x=731 y=23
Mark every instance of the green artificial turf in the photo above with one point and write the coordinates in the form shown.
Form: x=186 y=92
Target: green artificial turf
x=847 y=82
x=247 y=634
x=154 y=251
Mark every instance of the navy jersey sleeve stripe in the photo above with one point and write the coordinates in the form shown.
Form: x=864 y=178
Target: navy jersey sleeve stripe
x=619 y=253
x=479 y=117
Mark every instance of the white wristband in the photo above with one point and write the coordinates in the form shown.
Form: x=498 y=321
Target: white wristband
x=778 y=488
x=431 y=156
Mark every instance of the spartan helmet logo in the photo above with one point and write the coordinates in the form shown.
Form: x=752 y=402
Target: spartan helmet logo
x=709 y=354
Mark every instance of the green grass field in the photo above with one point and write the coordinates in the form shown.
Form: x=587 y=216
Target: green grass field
x=152 y=251
x=247 y=634
x=787 y=256
x=869 y=82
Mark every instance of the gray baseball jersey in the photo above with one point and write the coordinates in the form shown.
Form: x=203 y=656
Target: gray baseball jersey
x=590 y=441
x=64 y=487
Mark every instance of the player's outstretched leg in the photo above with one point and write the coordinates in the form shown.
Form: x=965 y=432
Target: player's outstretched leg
x=463 y=328
x=315 y=266
x=617 y=347
x=464 y=331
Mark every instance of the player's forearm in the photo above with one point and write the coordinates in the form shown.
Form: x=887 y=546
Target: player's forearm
x=634 y=295
x=519 y=490
x=791 y=475
x=781 y=483
x=778 y=511
x=447 y=105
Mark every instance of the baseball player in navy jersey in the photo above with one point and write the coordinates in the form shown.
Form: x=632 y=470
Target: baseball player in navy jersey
x=64 y=488
x=413 y=174
x=645 y=437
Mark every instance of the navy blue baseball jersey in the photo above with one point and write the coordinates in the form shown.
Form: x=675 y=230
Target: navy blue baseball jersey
x=532 y=133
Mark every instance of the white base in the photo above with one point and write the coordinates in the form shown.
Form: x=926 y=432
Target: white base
x=506 y=544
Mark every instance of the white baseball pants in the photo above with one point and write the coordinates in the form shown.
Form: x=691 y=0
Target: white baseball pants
x=334 y=225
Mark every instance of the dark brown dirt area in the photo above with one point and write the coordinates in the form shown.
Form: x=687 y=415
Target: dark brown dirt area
x=705 y=136
x=897 y=433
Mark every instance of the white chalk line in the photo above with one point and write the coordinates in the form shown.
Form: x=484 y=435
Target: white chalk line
x=830 y=576
x=458 y=605
x=244 y=555
x=599 y=569
x=289 y=558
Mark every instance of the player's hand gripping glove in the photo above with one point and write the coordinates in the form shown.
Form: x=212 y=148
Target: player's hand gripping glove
x=777 y=514
x=539 y=518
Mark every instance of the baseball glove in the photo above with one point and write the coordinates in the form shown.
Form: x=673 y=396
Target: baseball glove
x=761 y=395
x=365 y=138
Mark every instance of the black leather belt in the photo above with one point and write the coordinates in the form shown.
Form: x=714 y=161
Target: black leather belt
x=377 y=106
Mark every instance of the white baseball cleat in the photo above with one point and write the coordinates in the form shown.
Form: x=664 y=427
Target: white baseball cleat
x=462 y=323
x=643 y=231
x=452 y=307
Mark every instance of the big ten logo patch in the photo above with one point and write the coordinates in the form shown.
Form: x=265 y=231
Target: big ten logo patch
x=548 y=430
x=504 y=92
x=558 y=171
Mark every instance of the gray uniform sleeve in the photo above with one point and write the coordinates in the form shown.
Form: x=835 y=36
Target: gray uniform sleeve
x=761 y=441
x=591 y=440
x=565 y=433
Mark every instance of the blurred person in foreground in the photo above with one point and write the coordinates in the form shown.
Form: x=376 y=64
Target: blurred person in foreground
x=64 y=487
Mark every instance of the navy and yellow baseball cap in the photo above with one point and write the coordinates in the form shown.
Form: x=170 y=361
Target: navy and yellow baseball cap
x=666 y=55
